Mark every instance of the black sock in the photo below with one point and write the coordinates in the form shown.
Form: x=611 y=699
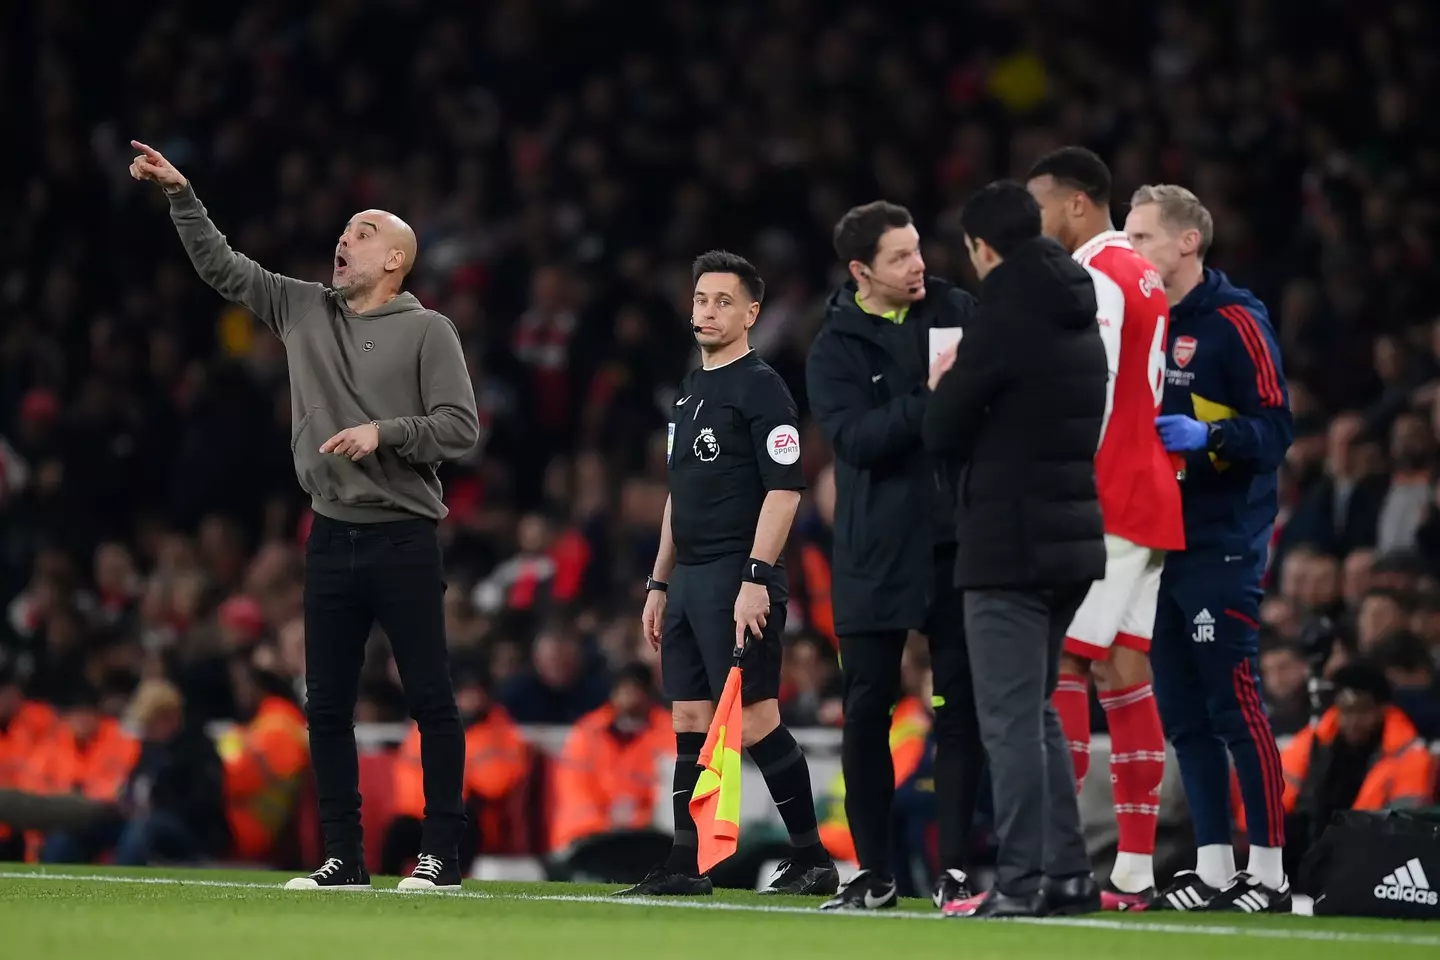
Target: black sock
x=687 y=772
x=788 y=776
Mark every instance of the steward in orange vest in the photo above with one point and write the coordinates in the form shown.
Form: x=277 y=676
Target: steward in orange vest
x=606 y=775
x=87 y=754
x=23 y=725
x=1363 y=754
x=265 y=759
x=497 y=758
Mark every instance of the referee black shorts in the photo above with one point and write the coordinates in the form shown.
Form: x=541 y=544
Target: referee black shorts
x=697 y=642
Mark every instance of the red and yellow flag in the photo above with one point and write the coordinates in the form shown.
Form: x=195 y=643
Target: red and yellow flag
x=715 y=804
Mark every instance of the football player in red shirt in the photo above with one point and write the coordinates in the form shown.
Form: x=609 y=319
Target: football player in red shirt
x=1140 y=499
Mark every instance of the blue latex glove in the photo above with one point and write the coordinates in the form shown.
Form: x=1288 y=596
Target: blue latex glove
x=1180 y=433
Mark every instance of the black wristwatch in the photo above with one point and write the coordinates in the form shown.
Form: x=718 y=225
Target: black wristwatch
x=1214 y=437
x=652 y=584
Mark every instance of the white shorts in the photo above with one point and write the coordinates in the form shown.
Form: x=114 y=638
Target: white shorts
x=1119 y=610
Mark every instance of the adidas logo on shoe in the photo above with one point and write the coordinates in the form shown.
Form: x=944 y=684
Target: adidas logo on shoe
x=1408 y=884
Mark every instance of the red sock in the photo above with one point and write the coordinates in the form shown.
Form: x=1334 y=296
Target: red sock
x=1072 y=702
x=1137 y=764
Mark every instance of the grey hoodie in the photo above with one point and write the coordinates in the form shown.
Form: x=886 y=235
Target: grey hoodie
x=399 y=365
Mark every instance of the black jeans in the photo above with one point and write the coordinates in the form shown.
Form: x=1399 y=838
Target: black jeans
x=870 y=663
x=356 y=575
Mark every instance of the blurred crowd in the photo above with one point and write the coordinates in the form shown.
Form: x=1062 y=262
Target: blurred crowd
x=561 y=163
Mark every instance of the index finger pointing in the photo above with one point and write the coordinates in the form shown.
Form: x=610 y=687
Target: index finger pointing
x=146 y=149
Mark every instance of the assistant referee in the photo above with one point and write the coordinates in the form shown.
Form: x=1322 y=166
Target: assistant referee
x=735 y=482
x=379 y=395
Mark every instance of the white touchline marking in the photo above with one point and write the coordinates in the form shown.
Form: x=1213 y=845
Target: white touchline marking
x=1142 y=926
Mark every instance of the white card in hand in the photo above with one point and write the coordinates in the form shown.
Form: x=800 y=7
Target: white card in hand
x=942 y=339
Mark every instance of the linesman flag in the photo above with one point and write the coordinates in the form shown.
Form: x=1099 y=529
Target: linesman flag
x=715 y=804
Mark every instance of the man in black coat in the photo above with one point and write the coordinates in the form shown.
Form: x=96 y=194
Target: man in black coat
x=1019 y=407
x=894 y=543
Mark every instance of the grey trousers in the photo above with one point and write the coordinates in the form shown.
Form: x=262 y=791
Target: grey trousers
x=1015 y=641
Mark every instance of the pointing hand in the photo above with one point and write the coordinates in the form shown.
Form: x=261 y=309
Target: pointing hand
x=152 y=165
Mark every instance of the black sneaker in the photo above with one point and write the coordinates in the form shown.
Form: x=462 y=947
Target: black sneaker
x=864 y=891
x=664 y=882
x=432 y=874
x=952 y=885
x=334 y=874
x=1245 y=894
x=805 y=879
x=1186 y=892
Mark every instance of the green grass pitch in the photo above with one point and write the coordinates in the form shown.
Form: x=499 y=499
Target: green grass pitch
x=65 y=913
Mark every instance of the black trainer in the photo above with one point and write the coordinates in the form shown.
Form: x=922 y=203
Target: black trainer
x=334 y=874
x=864 y=891
x=664 y=882
x=1186 y=892
x=1245 y=894
x=952 y=885
x=432 y=875
x=805 y=878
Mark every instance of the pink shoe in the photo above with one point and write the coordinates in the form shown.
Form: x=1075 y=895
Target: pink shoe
x=964 y=907
x=1112 y=899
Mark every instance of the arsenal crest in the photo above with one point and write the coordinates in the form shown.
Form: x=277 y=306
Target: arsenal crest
x=1184 y=349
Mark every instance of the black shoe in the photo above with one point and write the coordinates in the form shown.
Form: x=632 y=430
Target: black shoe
x=998 y=906
x=864 y=891
x=334 y=874
x=953 y=885
x=432 y=874
x=1186 y=892
x=805 y=879
x=1245 y=894
x=1069 y=896
x=664 y=882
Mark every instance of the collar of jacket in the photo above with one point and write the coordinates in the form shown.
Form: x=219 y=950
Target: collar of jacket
x=1020 y=268
x=844 y=315
x=1213 y=291
x=1041 y=273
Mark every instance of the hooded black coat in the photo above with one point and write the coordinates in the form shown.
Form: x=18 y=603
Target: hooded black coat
x=865 y=382
x=1020 y=414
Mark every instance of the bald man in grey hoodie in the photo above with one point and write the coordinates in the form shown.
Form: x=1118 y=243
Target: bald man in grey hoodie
x=380 y=394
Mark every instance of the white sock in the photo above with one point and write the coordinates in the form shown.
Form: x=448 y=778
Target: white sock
x=1267 y=864
x=1133 y=872
x=1215 y=862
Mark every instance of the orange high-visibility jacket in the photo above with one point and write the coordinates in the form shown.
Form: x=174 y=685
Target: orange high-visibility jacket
x=19 y=744
x=496 y=760
x=96 y=769
x=33 y=724
x=909 y=727
x=1401 y=774
x=265 y=760
x=605 y=782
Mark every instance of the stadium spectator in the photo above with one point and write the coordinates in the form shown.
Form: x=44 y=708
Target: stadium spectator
x=174 y=801
x=559 y=687
x=1414 y=679
x=1285 y=677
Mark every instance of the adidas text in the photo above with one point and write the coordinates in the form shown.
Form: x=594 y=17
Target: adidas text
x=1408 y=884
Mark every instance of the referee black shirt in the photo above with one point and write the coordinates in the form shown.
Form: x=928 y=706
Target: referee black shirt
x=734 y=436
